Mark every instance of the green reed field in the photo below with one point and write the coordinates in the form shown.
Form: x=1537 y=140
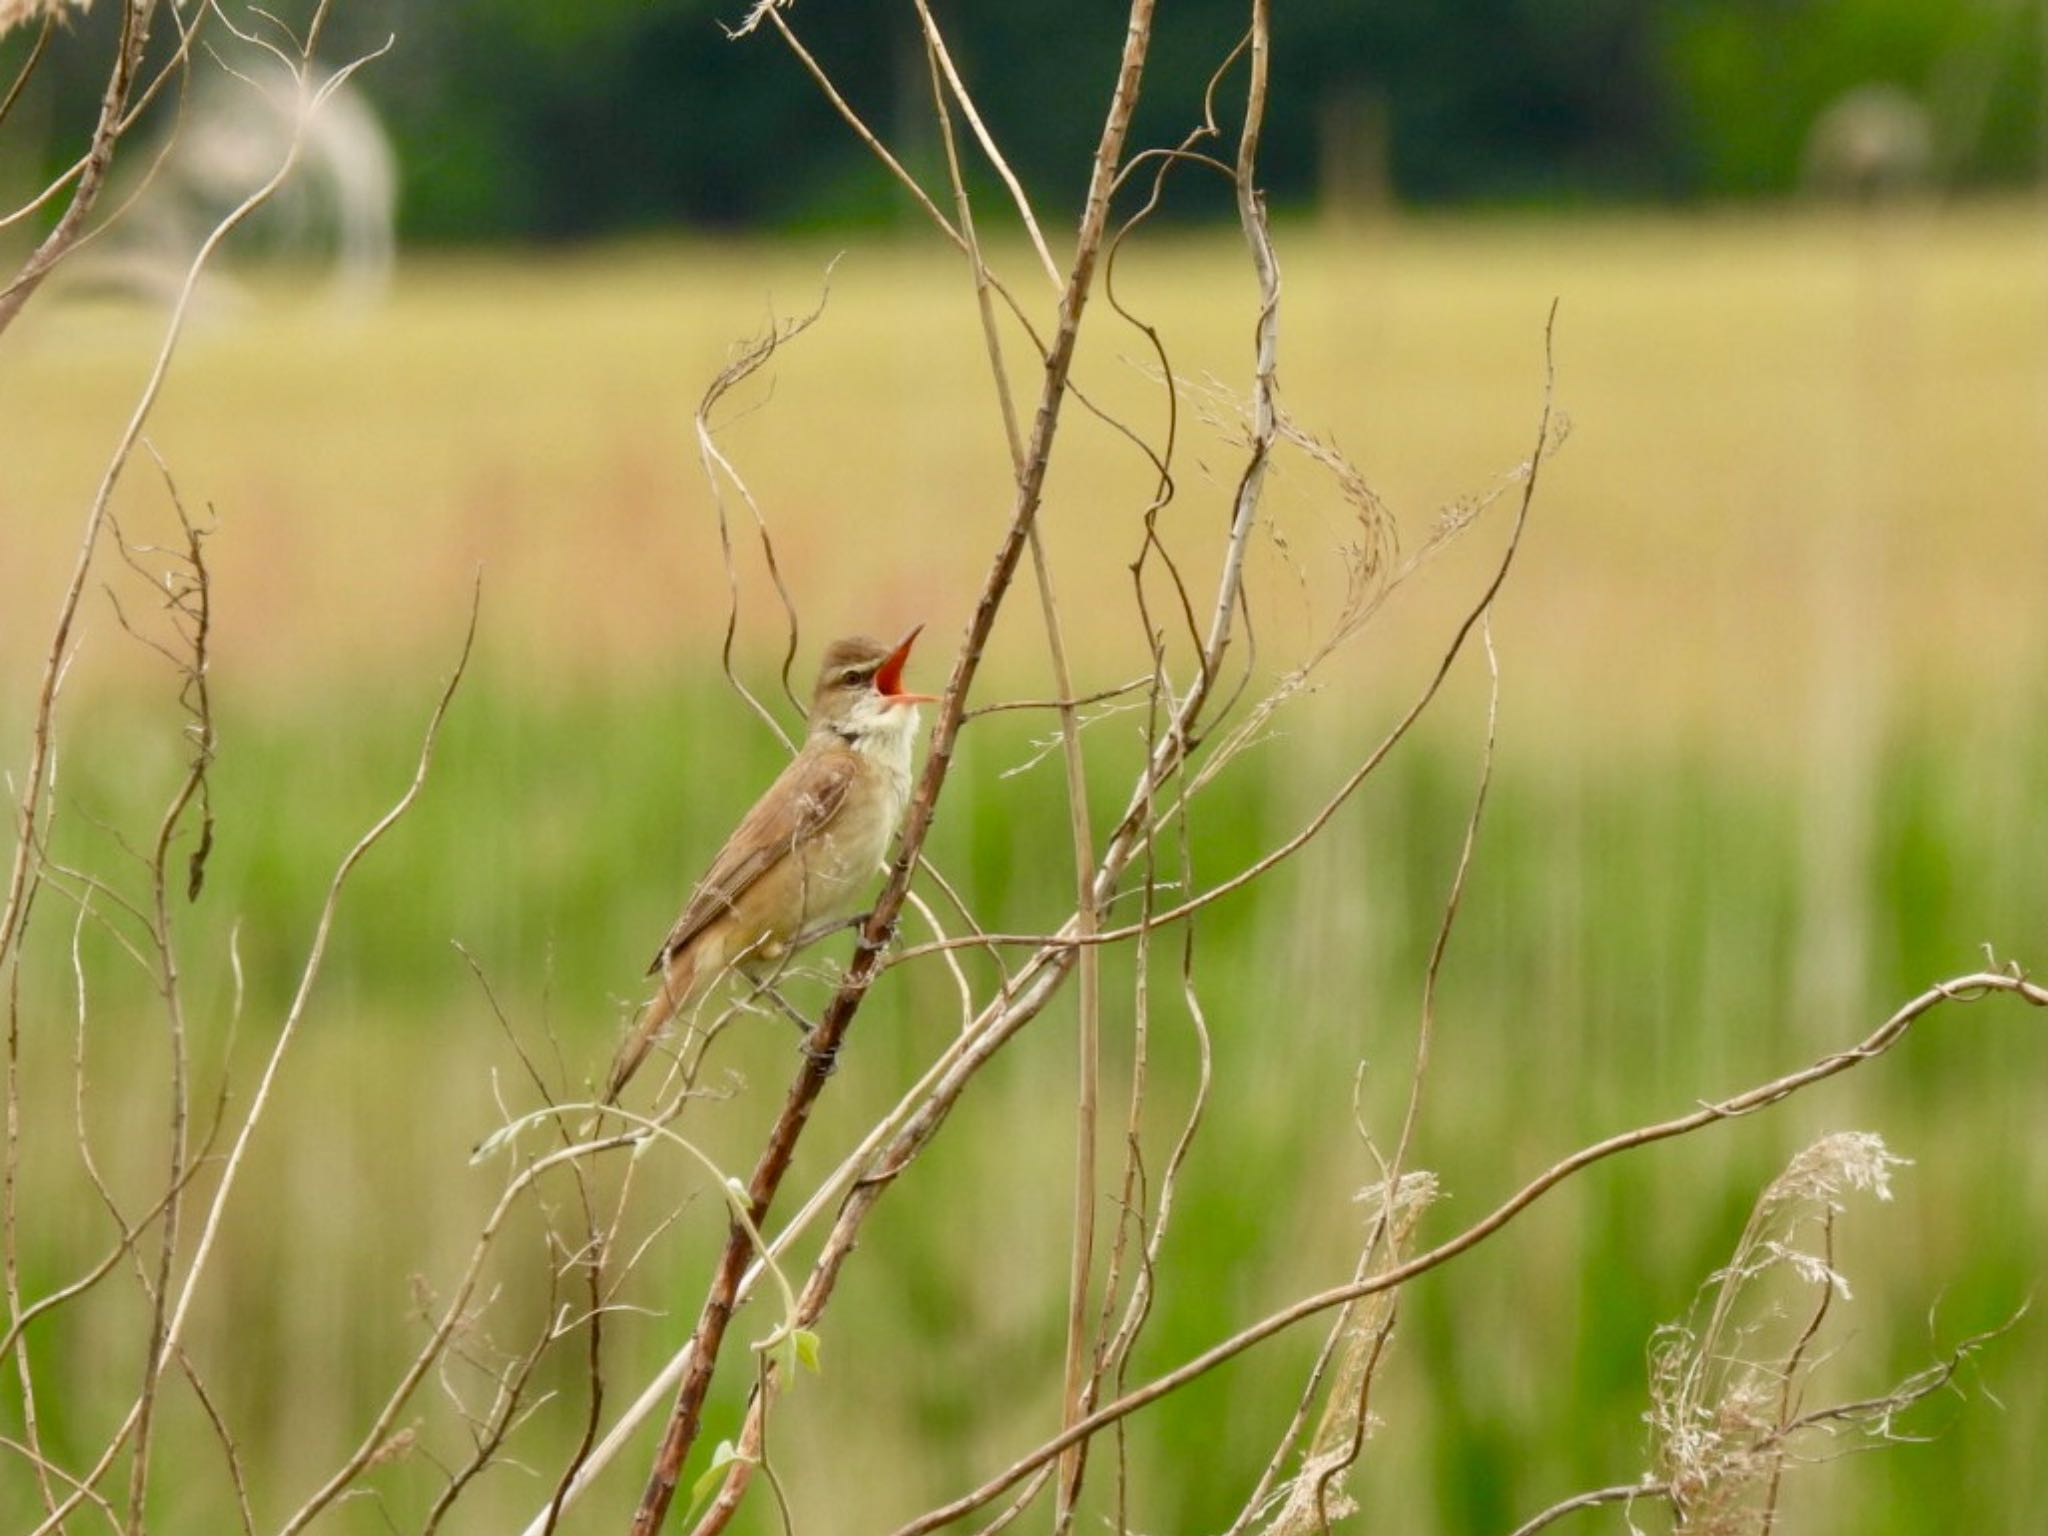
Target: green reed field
x=1773 y=757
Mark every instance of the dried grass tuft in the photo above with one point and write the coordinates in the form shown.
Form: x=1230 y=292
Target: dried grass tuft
x=22 y=13
x=1725 y=1390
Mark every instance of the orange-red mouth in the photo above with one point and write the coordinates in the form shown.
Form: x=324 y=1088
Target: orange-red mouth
x=889 y=676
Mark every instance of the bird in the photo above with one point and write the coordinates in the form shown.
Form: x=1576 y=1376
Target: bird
x=796 y=867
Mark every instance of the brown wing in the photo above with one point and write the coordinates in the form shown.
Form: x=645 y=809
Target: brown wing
x=801 y=802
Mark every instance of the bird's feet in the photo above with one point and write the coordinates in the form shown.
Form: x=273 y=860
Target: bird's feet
x=825 y=1060
x=865 y=946
x=806 y=937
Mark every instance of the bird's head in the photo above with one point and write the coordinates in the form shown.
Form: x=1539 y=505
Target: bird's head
x=860 y=689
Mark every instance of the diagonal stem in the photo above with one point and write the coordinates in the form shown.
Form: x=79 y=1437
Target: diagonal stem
x=707 y=1338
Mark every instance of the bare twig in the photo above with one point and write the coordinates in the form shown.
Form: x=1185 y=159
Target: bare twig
x=1620 y=1493
x=28 y=65
x=229 y=1449
x=1080 y=703
x=749 y=359
x=99 y=159
x=942 y=62
x=189 y=595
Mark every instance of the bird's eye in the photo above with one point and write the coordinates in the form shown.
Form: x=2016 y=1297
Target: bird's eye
x=850 y=676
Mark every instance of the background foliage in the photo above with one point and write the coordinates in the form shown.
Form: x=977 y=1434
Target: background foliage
x=534 y=120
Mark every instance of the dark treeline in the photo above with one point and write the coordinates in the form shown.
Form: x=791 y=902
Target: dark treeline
x=546 y=119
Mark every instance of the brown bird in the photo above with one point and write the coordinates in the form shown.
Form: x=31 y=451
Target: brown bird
x=796 y=867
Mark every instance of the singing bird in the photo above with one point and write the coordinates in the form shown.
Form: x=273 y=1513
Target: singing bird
x=798 y=864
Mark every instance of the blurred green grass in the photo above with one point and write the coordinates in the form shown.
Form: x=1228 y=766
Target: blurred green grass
x=1632 y=942
x=1773 y=759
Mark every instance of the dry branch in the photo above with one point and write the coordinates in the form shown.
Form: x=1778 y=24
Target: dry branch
x=113 y=120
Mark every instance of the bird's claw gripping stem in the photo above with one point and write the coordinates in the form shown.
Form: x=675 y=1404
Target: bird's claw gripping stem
x=866 y=946
x=826 y=1061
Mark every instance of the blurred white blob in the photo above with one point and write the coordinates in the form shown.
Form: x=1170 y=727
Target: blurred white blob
x=331 y=225
x=1873 y=141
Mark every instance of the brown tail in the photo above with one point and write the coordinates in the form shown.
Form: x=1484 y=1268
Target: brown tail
x=678 y=980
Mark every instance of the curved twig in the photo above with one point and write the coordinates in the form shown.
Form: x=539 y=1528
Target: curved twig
x=1962 y=988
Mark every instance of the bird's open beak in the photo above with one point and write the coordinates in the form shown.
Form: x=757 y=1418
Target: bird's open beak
x=889 y=676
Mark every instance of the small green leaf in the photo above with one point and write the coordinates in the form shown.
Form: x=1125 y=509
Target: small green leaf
x=807 y=1350
x=708 y=1481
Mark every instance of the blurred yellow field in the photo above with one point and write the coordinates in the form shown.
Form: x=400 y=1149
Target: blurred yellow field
x=1803 y=442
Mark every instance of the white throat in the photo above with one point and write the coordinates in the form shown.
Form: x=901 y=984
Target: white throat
x=883 y=733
